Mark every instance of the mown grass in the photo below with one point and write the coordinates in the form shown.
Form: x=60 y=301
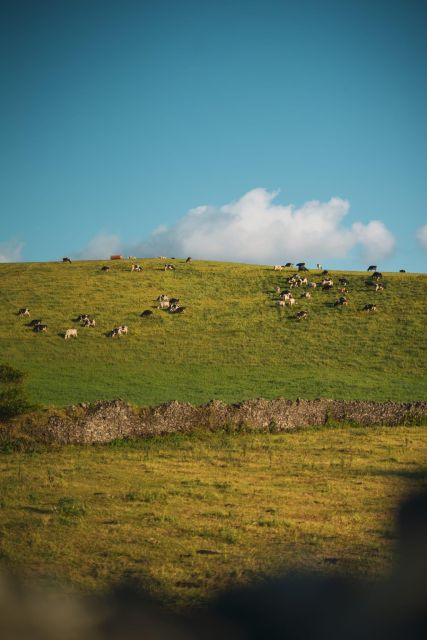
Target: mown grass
x=188 y=515
x=232 y=343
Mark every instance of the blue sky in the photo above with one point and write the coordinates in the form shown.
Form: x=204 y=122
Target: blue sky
x=120 y=117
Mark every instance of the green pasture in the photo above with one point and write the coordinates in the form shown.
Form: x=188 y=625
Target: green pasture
x=186 y=516
x=232 y=343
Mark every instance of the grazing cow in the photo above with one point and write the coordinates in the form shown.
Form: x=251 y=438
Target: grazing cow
x=370 y=307
x=24 y=312
x=277 y=267
x=169 y=267
x=290 y=301
x=146 y=313
x=70 y=333
x=136 y=267
x=341 y=301
x=115 y=332
x=289 y=264
x=82 y=317
x=300 y=264
x=188 y=259
x=87 y=322
x=379 y=286
x=163 y=304
x=372 y=267
x=66 y=260
x=105 y=268
x=302 y=315
x=284 y=295
x=38 y=328
x=302 y=268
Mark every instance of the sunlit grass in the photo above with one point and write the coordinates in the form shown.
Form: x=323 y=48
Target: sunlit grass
x=232 y=343
x=188 y=515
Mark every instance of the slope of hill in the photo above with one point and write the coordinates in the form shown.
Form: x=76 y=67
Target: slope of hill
x=232 y=343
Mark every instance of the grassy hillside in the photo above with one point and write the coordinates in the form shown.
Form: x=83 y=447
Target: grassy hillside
x=232 y=343
x=186 y=515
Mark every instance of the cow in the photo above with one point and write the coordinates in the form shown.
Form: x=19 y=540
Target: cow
x=307 y=294
x=289 y=264
x=277 y=267
x=66 y=260
x=343 y=290
x=313 y=285
x=188 y=259
x=302 y=315
x=341 y=301
x=370 y=307
x=115 y=332
x=34 y=323
x=136 y=267
x=70 y=333
x=169 y=267
x=82 y=317
x=162 y=258
x=177 y=309
x=105 y=268
x=325 y=272
x=38 y=328
x=327 y=286
x=131 y=257
x=123 y=329
x=87 y=322
x=300 y=264
x=146 y=313
x=163 y=304
x=281 y=303
x=377 y=275
x=290 y=301
x=302 y=268
x=343 y=281
x=24 y=312
x=402 y=270
x=372 y=267
x=319 y=266
x=162 y=298
x=379 y=286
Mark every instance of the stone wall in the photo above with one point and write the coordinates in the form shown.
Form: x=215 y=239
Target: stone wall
x=100 y=422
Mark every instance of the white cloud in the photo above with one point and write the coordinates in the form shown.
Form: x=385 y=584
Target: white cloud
x=422 y=236
x=255 y=229
x=101 y=247
x=11 y=251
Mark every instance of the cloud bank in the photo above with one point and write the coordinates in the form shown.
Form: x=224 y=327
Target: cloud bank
x=422 y=236
x=11 y=251
x=256 y=229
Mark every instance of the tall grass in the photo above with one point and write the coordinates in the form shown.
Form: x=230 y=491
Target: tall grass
x=232 y=343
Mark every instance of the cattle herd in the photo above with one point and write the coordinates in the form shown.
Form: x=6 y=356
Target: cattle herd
x=163 y=302
x=286 y=296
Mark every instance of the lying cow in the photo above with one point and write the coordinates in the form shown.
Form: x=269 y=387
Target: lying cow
x=341 y=301
x=277 y=267
x=35 y=322
x=146 y=313
x=24 y=312
x=38 y=328
x=87 y=322
x=169 y=267
x=70 y=333
x=302 y=315
x=370 y=307
x=136 y=267
x=105 y=268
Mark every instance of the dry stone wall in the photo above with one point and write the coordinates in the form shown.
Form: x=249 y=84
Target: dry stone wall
x=102 y=422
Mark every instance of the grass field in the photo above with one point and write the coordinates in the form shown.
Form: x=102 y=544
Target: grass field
x=232 y=343
x=188 y=515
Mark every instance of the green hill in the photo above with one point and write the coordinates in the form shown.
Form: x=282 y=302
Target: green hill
x=232 y=343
